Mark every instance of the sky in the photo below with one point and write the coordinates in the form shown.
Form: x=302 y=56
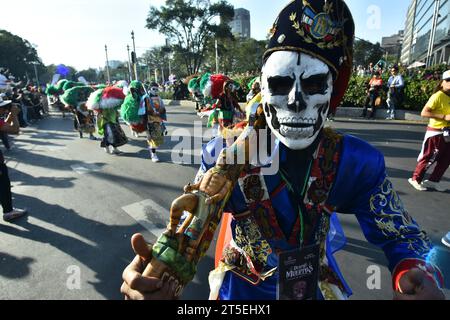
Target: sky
x=75 y=32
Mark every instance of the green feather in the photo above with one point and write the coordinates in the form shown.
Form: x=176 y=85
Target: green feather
x=70 y=84
x=129 y=109
x=194 y=84
x=204 y=80
x=76 y=95
x=51 y=91
x=60 y=84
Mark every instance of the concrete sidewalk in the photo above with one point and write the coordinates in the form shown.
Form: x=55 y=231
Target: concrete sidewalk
x=350 y=113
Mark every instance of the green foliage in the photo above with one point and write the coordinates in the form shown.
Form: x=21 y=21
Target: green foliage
x=417 y=93
x=189 y=25
x=418 y=88
x=243 y=80
x=236 y=55
x=356 y=92
x=166 y=95
x=18 y=55
x=365 y=52
x=89 y=74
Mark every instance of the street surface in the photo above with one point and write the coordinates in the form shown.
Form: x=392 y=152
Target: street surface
x=84 y=206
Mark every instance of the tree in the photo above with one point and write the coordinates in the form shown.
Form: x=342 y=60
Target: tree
x=90 y=75
x=18 y=55
x=189 y=25
x=365 y=52
x=237 y=55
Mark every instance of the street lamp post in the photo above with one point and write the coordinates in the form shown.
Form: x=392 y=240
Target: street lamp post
x=107 y=65
x=135 y=55
x=36 y=74
x=148 y=70
x=217 y=58
x=129 y=64
x=35 y=68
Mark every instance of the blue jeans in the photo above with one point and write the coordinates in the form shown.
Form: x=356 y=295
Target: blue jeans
x=391 y=103
x=25 y=113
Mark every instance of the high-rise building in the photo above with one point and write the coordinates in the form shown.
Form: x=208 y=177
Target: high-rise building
x=393 y=44
x=427 y=32
x=405 y=57
x=240 y=26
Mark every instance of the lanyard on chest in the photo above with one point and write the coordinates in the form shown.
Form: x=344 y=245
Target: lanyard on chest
x=302 y=195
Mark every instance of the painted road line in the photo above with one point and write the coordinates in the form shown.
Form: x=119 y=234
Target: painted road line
x=85 y=168
x=56 y=148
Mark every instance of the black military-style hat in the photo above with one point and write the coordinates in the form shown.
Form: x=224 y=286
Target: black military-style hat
x=323 y=29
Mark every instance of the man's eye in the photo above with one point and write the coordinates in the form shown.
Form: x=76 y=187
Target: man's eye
x=317 y=84
x=280 y=86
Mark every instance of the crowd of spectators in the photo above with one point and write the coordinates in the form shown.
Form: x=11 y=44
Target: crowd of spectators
x=29 y=99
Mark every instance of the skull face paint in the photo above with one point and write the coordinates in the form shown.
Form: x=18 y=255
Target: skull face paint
x=296 y=91
x=154 y=91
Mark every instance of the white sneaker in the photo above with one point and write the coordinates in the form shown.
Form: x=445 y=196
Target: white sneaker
x=155 y=158
x=446 y=239
x=434 y=185
x=16 y=213
x=116 y=151
x=416 y=185
x=107 y=150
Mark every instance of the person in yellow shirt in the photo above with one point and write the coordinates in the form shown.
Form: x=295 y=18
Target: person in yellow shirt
x=436 y=145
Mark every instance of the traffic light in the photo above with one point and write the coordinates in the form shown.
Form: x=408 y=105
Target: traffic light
x=133 y=57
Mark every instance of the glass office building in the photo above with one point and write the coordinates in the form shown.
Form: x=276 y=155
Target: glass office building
x=427 y=32
x=240 y=26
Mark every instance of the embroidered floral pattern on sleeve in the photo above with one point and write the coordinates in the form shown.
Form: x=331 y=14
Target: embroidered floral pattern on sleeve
x=394 y=222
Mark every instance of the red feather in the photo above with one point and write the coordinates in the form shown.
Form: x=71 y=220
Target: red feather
x=218 y=81
x=113 y=93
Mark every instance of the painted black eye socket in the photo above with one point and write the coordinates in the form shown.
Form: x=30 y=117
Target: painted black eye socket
x=317 y=84
x=280 y=86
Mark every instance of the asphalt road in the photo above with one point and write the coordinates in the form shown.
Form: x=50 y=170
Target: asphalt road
x=85 y=205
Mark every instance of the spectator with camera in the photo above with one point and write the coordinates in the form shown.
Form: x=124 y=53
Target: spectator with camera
x=9 y=125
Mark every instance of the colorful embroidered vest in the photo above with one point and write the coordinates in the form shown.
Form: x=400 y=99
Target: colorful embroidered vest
x=257 y=236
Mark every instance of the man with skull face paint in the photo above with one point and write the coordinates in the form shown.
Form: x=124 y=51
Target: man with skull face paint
x=305 y=75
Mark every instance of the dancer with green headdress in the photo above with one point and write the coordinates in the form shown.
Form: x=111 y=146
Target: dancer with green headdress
x=145 y=112
x=75 y=100
x=133 y=110
x=106 y=102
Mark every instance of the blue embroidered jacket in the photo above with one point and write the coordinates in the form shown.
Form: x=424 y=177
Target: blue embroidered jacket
x=357 y=184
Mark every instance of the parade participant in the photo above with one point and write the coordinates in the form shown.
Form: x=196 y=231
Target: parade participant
x=306 y=69
x=133 y=109
x=105 y=102
x=75 y=98
x=226 y=110
x=156 y=115
x=54 y=91
x=255 y=88
x=436 y=145
x=193 y=83
x=11 y=126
